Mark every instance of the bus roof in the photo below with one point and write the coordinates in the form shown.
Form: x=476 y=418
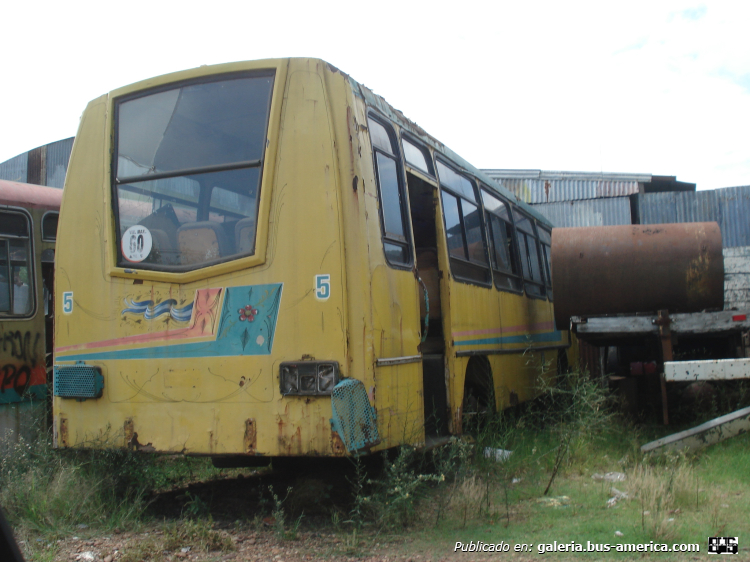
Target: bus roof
x=15 y=194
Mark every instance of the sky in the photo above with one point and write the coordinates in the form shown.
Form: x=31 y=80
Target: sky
x=653 y=87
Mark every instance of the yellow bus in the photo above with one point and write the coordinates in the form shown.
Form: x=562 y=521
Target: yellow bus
x=265 y=259
x=28 y=228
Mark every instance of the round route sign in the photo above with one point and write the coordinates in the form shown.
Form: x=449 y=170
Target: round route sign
x=136 y=243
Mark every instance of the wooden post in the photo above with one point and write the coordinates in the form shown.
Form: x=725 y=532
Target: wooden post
x=665 y=335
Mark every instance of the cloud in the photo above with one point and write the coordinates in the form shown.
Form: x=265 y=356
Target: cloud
x=694 y=14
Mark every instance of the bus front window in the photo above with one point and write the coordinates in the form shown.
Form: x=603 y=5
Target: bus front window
x=188 y=171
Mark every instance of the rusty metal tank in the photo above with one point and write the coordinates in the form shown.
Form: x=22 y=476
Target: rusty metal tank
x=636 y=268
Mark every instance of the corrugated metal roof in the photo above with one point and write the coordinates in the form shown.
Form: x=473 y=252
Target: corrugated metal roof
x=537 y=186
x=588 y=212
x=566 y=175
x=729 y=206
x=15 y=169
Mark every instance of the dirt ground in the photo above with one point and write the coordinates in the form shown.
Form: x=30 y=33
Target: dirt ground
x=266 y=546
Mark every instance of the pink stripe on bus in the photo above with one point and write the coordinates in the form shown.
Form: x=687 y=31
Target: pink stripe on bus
x=502 y=330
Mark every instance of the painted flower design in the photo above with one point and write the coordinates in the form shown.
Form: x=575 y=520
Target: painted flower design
x=248 y=313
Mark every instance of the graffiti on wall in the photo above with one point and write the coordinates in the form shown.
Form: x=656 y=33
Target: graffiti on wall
x=23 y=373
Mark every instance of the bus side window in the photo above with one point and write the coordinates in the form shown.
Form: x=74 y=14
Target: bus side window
x=391 y=191
x=464 y=227
x=49 y=226
x=502 y=243
x=16 y=287
x=545 y=240
x=530 y=260
x=417 y=157
x=5 y=283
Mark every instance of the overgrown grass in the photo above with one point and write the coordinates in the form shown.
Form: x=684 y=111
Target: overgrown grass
x=51 y=492
x=545 y=490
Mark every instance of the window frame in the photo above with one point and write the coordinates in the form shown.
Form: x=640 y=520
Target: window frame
x=515 y=255
x=398 y=159
x=466 y=261
x=407 y=137
x=535 y=236
x=30 y=259
x=204 y=196
x=41 y=226
x=546 y=257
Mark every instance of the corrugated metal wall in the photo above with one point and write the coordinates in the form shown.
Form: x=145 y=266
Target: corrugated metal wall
x=44 y=165
x=588 y=212
x=549 y=191
x=15 y=168
x=729 y=206
x=535 y=188
x=58 y=156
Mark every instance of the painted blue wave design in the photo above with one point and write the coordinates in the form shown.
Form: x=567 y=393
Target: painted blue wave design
x=150 y=311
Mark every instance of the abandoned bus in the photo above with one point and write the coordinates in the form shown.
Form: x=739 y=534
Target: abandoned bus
x=28 y=227
x=265 y=259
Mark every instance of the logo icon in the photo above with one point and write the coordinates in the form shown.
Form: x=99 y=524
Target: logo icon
x=723 y=545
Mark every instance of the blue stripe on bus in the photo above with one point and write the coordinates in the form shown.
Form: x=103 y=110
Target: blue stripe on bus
x=526 y=338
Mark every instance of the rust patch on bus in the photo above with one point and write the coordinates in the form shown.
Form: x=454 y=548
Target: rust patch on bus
x=128 y=432
x=457 y=416
x=297 y=440
x=63 y=432
x=251 y=436
x=285 y=445
x=337 y=445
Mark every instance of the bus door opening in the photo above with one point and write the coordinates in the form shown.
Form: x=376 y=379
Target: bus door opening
x=423 y=216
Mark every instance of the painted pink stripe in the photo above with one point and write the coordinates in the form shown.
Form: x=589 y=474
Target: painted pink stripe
x=166 y=335
x=502 y=330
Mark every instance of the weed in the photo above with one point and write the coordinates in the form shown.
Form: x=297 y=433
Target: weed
x=358 y=482
x=143 y=551
x=660 y=489
x=394 y=496
x=469 y=497
x=197 y=534
x=576 y=412
x=281 y=527
x=195 y=507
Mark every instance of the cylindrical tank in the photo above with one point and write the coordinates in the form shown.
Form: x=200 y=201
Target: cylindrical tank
x=636 y=268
